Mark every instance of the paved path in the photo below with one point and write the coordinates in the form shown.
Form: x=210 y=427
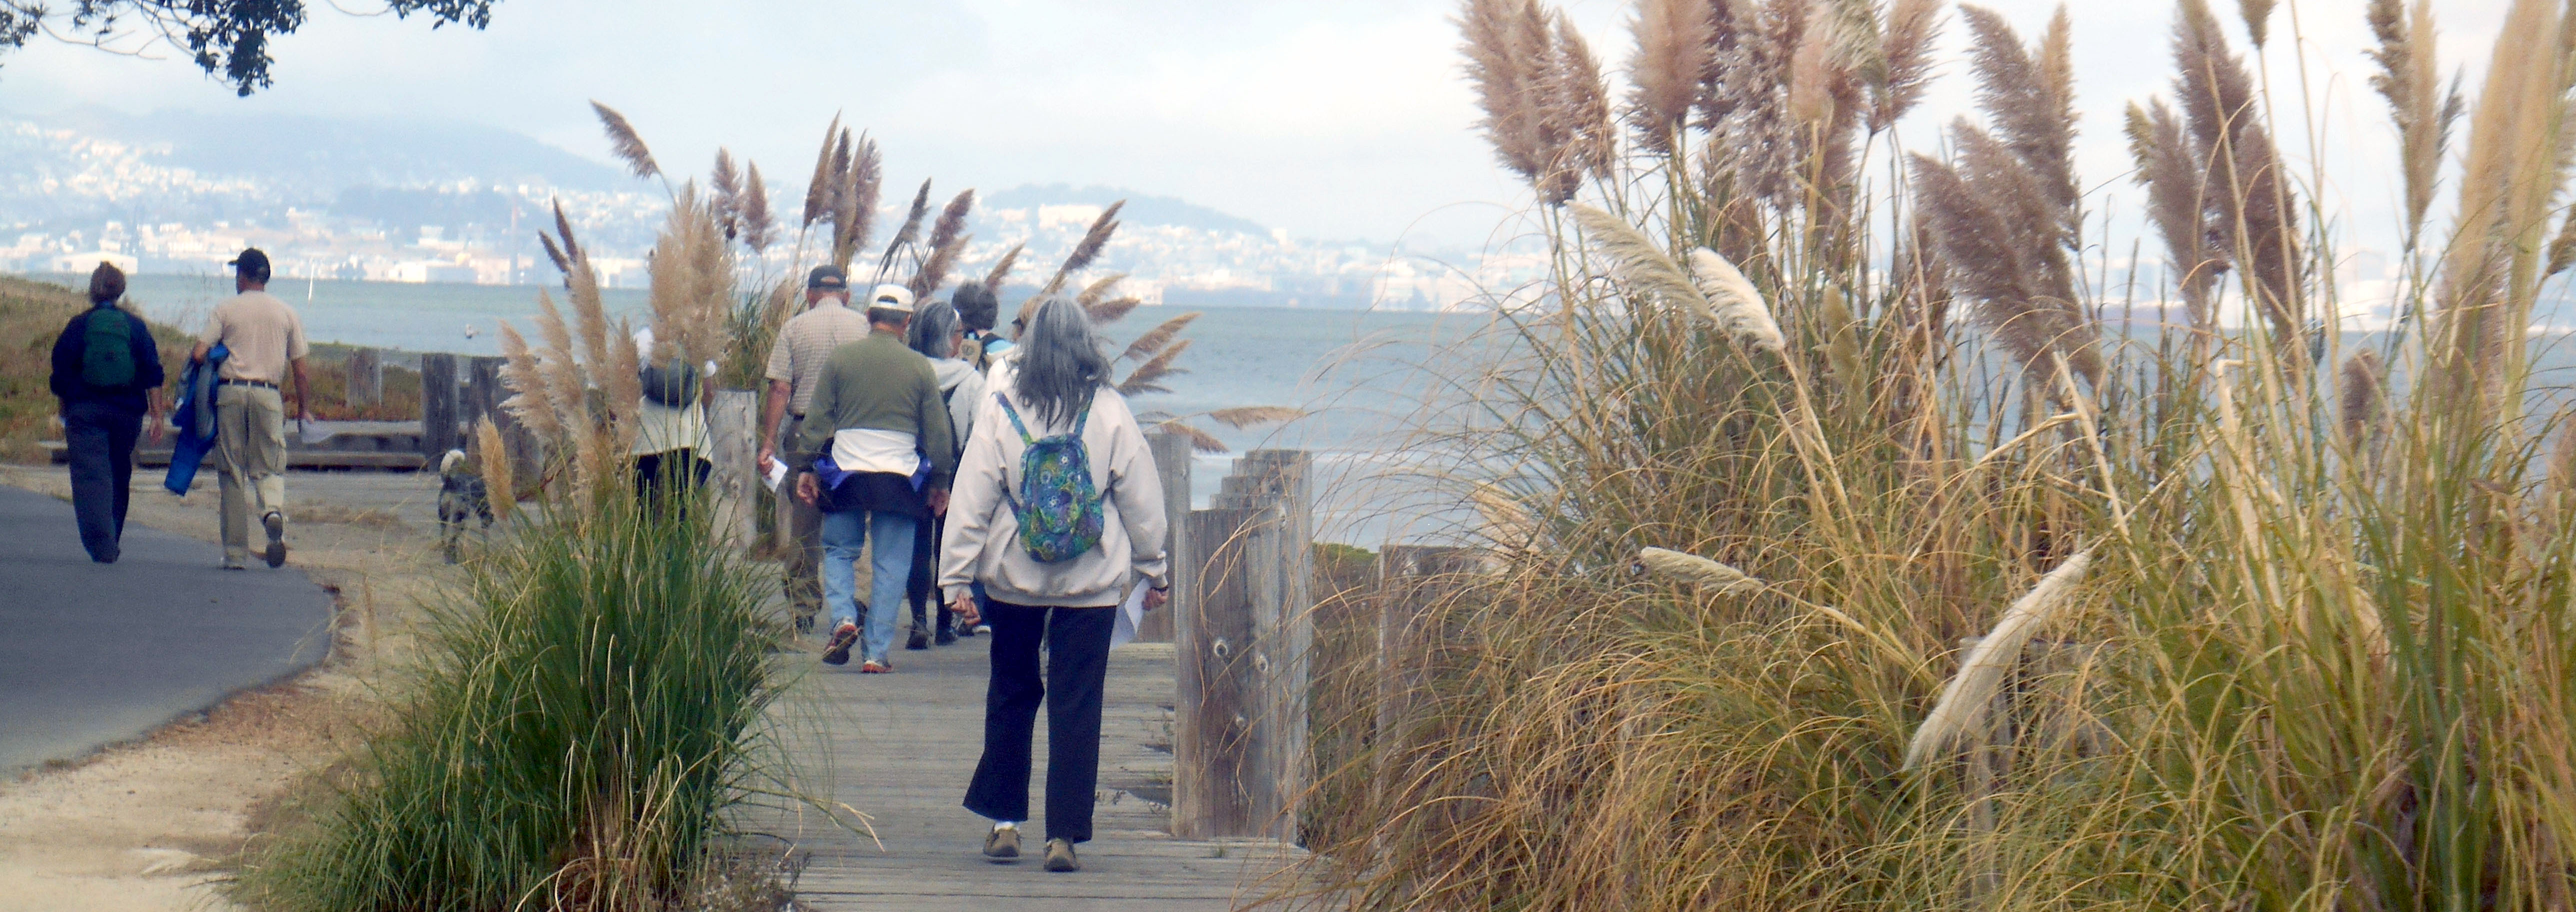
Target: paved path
x=93 y=654
x=900 y=748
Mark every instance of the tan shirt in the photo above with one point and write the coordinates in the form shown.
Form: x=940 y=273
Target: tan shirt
x=806 y=342
x=262 y=333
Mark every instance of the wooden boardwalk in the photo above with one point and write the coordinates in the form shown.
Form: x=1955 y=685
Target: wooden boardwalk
x=900 y=749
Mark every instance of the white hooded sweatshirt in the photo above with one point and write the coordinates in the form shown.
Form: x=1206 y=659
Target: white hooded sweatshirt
x=983 y=538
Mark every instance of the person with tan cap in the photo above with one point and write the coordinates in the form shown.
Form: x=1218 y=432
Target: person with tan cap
x=795 y=369
x=877 y=437
x=266 y=339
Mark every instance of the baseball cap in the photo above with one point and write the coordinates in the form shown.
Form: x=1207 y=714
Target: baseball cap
x=827 y=278
x=891 y=297
x=252 y=264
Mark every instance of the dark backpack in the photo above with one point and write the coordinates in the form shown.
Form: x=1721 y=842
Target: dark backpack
x=107 y=355
x=1058 y=507
x=674 y=386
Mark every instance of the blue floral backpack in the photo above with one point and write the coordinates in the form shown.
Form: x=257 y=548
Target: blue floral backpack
x=1057 y=505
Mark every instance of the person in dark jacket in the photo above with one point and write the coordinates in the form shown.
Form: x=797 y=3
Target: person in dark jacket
x=101 y=416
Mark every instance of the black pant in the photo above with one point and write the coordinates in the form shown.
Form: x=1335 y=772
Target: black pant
x=100 y=441
x=674 y=472
x=1077 y=646
x=921 y=589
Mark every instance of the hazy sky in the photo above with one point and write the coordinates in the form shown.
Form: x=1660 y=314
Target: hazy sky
x=1330 y=118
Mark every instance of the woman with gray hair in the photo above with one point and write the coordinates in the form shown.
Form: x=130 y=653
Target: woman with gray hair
x=1057 y=510
x=936 y=333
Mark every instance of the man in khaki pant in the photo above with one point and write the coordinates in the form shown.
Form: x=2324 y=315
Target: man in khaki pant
x=265 y=340
x=795 y=369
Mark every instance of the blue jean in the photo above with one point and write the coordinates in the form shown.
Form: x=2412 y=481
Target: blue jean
x=843 y=535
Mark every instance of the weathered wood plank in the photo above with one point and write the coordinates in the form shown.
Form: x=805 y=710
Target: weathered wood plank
x=900 y=748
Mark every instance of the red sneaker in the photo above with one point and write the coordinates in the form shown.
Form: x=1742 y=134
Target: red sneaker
x=843 y=637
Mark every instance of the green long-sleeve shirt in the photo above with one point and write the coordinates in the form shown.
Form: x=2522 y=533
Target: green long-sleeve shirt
x=877 y=383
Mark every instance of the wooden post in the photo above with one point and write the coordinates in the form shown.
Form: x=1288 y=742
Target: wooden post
x=1409 y=580
x=483 y=392
x=366 y=379
x=1172 y=462
x=1240 y=762
x=438 y=405
x=735 y=481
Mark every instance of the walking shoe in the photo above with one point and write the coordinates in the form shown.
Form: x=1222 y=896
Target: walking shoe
x=1002 y=845
x=946 y=636
x=983 y=629
x=843 y=637
x=275 y=523
x=1060 y=857
x=805 y=627
x=233 y=565
x=919 y=640
x=876 y=667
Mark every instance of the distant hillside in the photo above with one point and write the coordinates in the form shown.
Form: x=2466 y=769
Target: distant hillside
x=326 y=154
x=1142 y=208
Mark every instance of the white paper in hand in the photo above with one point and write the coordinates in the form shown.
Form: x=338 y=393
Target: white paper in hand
x=1131 y=614
x=777 y=473
x=313 y=432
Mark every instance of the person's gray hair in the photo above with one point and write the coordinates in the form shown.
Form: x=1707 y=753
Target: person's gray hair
x=931 y=329
x=1061 y=362
x=888 y=316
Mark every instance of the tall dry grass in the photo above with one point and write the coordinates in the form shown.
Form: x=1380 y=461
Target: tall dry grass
x=2017 y=611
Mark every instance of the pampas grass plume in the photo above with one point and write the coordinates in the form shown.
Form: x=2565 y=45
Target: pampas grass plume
x=818 y=192
x=625 y=143
x=1002 y=268
x=1675 y=39
x=1638 y=259
x=1906 y=55
x=1154 y=340
x=2362 y=404
x=1664 y=563
x=758 y=223
x=1964 y=702
x=1734 y=303
x=498 y=487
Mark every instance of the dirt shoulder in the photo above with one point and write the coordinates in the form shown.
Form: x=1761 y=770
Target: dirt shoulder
x=142 y=826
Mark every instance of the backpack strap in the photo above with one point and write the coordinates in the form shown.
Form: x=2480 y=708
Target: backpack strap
x=1005 y=400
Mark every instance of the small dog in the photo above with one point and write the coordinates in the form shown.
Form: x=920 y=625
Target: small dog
x=461 y=496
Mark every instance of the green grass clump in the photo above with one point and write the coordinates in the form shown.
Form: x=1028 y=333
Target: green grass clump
x=583 y=720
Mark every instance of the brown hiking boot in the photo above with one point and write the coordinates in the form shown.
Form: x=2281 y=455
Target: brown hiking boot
x=1060 y=857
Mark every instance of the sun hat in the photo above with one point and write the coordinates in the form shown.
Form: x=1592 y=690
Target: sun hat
x=891 y=297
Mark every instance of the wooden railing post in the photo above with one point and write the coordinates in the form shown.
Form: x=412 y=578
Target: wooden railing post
x=1411 y=578
x=1172 y=462
x=438 y=405
x=483 y=392
x=1240 y=761
x=366 y=379
x=735 y=481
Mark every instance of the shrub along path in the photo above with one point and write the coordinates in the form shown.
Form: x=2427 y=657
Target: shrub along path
x=93 y=654
x=901 y=747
